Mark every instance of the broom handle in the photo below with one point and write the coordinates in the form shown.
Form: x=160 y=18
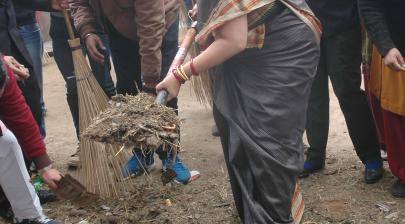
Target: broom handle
x=181 y=54
x=68 y=24
x=161 y=97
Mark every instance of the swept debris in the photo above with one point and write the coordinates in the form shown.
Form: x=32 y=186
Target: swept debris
x=135 y=121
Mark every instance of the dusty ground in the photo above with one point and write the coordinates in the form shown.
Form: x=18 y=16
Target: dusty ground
x=335 y=195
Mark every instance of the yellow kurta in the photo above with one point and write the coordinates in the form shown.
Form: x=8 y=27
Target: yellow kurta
x=387 y=85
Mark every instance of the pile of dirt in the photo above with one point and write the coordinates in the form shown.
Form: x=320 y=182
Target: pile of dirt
x=135 y=121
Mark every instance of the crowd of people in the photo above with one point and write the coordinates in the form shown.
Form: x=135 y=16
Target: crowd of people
x=270 y=62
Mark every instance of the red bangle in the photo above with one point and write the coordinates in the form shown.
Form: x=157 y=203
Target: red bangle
x=192 y=68
x=178 y=78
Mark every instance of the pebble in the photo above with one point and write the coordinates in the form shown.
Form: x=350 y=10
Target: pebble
x=105 y=207
x=84 y=222
x=168 y=203
x=383 y=207
x=392 y=216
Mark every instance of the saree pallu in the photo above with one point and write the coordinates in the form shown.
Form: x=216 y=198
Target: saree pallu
x=386 y=89
x=260 y=102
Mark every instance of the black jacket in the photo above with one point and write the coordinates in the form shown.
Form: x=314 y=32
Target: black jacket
x=385 y=23
x=12 y=44
x=335 y=15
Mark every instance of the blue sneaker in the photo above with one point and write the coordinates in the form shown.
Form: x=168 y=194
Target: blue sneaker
x=137 y=164
x=309 y=168
x=374 y=170
x=183 y=173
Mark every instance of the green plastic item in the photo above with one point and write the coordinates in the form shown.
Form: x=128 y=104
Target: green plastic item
x=37 y=183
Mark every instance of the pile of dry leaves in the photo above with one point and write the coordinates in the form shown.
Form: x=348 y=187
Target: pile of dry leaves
x=135 y=121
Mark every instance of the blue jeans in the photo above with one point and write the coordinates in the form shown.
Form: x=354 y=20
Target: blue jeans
x=31 y=35
x=63 y=58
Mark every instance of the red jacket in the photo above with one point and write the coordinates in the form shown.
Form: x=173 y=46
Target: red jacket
x=17 y=116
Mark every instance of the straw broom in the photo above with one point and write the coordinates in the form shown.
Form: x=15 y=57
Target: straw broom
x=100 y=166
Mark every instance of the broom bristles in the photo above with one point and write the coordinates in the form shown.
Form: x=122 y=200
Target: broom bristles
x=100 y=170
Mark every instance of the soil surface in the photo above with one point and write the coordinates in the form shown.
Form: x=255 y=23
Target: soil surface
x=337 y=194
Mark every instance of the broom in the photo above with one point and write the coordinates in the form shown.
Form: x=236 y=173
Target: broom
x=99 y=166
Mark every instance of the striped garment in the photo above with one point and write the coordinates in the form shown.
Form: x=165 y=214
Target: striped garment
x=255 y=10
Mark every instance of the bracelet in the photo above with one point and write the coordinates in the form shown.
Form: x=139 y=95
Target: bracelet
x=192 y=68
x=178 y=78
x=45 y=169
x=182 y=73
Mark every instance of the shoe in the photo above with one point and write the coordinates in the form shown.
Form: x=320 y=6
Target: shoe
x=5 y=208
x=46 y=196
x=214 y=131
x=398 y=189
x=310 y=168
x=41 y=220
x=137 y=164
x=7 y=214
x=374 y=171
x=184 y=176
x=74 y=160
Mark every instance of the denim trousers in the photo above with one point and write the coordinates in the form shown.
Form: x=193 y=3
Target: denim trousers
x=31 y=35
x=63 y=58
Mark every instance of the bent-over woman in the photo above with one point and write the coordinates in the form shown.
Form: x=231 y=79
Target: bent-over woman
x=265 y=53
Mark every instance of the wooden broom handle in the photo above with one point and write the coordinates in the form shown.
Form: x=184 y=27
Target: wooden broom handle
x=68 y=24
x=188 y=38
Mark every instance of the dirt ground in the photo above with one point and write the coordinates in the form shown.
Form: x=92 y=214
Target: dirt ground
x=335 y=195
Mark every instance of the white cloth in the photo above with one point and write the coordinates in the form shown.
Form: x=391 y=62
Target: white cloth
x=14 y=178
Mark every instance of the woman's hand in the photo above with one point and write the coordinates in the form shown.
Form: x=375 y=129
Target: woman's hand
x=394 y=60
x=171 y=85
x=19 y=70
x=50 y=176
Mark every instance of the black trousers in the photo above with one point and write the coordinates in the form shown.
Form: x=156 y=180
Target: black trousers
x=340 y=61
x=127 y=60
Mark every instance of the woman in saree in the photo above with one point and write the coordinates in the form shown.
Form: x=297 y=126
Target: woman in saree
x=265 y=55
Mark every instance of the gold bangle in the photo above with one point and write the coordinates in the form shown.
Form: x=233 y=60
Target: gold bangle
x=184 y=73
x=180 y=74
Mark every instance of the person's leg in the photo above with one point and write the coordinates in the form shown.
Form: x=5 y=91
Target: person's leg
x=317 y=127
x=395 y=145
x=31 y=35
x=344 y=60
x=64 y=61
x=169 y=50
x=170 y=45
x=15 y=181
x=127 y=62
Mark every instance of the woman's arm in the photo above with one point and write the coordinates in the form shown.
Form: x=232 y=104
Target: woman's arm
x=230 y=39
